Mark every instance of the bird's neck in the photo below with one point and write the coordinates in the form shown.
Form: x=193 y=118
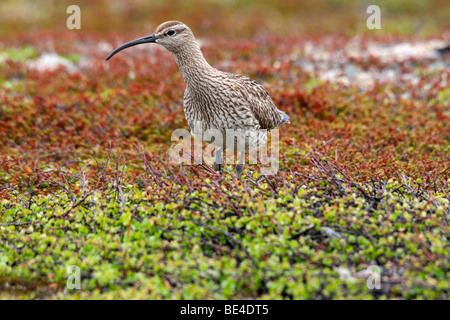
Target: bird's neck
x=192 y=64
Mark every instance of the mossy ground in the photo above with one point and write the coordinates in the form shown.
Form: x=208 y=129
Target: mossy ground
x=85 y=178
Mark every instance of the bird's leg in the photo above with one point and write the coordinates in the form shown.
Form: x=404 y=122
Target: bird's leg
x=240 y=165
x=218 y=159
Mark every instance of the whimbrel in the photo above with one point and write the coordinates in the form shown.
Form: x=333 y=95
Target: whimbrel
x=215 y=99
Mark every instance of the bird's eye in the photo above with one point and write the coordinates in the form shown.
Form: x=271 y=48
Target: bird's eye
x=171 y=32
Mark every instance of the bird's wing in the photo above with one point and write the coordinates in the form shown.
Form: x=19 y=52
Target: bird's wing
x=261 y=104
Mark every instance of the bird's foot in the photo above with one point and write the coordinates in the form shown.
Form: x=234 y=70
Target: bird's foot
x=218 y=167
x=239 y=169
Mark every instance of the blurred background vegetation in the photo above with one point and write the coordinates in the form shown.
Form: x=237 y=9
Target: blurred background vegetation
x=230 y=18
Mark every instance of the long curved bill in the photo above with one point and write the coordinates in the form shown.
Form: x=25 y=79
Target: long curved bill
x=149 y=39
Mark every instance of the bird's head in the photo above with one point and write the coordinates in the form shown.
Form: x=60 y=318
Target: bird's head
x=173 y=35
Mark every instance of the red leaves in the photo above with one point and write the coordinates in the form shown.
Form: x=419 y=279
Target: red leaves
x=300 y=101
x=298 y=98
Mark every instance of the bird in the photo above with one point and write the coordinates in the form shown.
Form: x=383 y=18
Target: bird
x=215 y=100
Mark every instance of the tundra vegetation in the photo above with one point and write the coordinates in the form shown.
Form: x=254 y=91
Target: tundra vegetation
x=85 y=178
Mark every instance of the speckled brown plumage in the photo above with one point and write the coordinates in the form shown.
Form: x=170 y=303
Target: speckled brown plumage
x=215 y=99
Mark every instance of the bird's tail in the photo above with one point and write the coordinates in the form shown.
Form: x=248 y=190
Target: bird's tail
x=284 y=118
